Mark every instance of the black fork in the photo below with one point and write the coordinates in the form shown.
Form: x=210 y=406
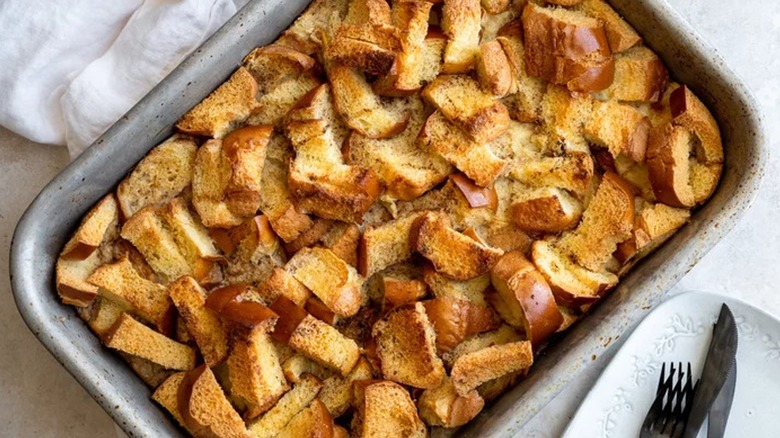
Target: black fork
x=672 y=404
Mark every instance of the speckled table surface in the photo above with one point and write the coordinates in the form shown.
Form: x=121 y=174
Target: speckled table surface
x=39 y=398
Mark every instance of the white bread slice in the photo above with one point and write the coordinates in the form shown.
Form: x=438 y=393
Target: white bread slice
x=361 y=109
x=330 y=278
x=405 y=167
x=461 y=20
x=205 y=409
x=406 y=347
x=82 y=254
x=132 y=337
x=621 y=35
x=385 y=410
x=163 y=173
x=272 y=108
x=120 y=283
x=567 y=47
x=572 y=284
x=385 y=245
x=202 y=323
x=461 y=100
x=167 y=396
x=293 y=402
x=281 y=283
x=147 y=232
x=526 y=92
x=406 y=73
x=452 y=253
x=640 y=76
x=227 y=106
x=494 y=70
x=314 y=421
x=527 y=297
x=477 y=160
x=620 y=128
x=548 y=209
x=473 y=369
x=453 y=320
x=442 y=406
x=607 y=221
x=336 y=391
x=274 y=64
x=255 y=374
x=276 y=202
x=191 y=237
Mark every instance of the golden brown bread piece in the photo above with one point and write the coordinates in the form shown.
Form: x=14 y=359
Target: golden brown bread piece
x=336 y=391
x=293 y=402
x=526 y=92
x=100 y=315
x=202 y=323
x=343 y=240
x=571 y=172
x=120 y=283
x=454 y=319
x=461 y=100
x=368 y=48
x=495 y=6
x=621 y=35
x=304 y=35
x=620 y=128
x=527 y=297
x=132 y=337
x=314 y=422
x=273 y=64
x=361 y=109
x=685 y=158
x=406 y=347
x=256 y=379
x=227 y=106
x=385 y=245
x=653 y=225
x=494 y=70
x=442 y=406
x=460 y=21
x=160 y=176
x=385 y=410
x=167 y=396
x=568 y=48
x=281 y=283
x=272 y=108
x=607 y=221
x=452 y=253
x=477 y=160
x=405 y=167
x=549 y=210
x=640 y=76
x=330 y=278
x=406 y=74
x=474 y=369
x=205 y=409
x=81 y=254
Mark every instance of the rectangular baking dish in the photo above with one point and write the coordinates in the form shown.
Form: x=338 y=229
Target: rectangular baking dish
x=56 y=211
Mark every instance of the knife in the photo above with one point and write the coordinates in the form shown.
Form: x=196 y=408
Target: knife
x=720 y=356
x=719 y=412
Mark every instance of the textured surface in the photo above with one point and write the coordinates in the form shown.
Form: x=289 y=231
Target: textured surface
x=739 y=266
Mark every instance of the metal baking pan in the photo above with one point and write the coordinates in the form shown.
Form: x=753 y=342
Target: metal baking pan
x=56 y=211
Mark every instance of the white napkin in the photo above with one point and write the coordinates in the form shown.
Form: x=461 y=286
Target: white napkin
x=71 y=68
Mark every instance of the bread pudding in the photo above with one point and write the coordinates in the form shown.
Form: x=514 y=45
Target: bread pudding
x=374 y=225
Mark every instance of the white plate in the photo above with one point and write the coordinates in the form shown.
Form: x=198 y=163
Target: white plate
x=680 y=330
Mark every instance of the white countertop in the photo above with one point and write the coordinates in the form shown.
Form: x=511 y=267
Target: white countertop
x=39 y=398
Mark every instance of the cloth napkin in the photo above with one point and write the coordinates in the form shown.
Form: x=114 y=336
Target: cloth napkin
x=71 y=68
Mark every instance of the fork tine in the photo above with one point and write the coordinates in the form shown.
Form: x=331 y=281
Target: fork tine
x=666 y=411
x=677 y=410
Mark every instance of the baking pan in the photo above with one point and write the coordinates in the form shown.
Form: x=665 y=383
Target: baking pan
x=56 y=211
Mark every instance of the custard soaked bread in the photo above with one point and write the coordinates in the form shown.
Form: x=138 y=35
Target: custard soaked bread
x=378 y=221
